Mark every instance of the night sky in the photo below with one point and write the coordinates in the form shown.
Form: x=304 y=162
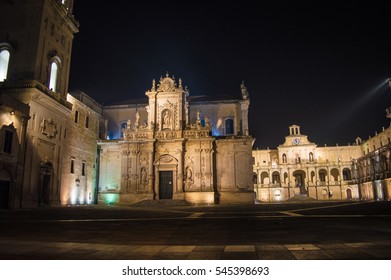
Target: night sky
x=319 y=65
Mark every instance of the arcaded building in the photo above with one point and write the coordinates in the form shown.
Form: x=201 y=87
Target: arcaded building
x=298 y=170
x=177 y=146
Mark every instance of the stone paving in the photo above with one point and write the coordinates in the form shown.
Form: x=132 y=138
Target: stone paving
x=29 y=250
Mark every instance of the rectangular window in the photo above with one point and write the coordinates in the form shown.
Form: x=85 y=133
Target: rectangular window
x=76 y=116
x=7 y=148
x=229 y=126
x=87 y=121
x=72 y=166
x=83 y=169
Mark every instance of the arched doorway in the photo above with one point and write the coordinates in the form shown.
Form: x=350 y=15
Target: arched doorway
x=45 y=183
x=300 y=177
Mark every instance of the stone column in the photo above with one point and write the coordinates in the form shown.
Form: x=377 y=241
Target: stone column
x=150 y=172
x=180 y=171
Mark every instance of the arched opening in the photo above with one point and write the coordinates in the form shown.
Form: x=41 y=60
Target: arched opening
x=285 y=177
x=311 y=157
x=264 y=178
x=322 y=175
x=334 y=174
x=284 y=158
x=312 y=176
x=276 y=177
x=4 y=62
x=300 y=177
x=53 y=78
x=347 y=175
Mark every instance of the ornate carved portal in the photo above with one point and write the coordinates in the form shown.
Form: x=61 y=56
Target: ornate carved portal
x=166 y=173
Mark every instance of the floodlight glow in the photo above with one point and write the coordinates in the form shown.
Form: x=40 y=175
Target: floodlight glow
x=110 y=198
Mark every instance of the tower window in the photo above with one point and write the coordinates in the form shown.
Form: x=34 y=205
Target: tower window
x=53 y=76
x=4 y=61
x=87 y=121
x=72 y=166
x=76 y=116
x=8 y=137
x=229 y=126
x=83 y=168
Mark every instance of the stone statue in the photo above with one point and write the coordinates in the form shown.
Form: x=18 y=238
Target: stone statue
x=207 y=122
x=143 y=180
x=244 y=90
x=166 y=120
x=128 y=124
x=189 y=174
x=136 y=124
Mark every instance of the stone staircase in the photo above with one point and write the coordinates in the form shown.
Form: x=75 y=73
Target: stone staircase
x=161 y=203
x=301 y=198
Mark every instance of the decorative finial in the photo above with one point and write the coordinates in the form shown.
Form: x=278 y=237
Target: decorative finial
x=153 y=85
x=180 y=83
x=167 y=74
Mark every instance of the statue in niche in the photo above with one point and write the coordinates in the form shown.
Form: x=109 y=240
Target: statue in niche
x=167 y=120
x=189 y=176
x=128 y=124
x=143 y=177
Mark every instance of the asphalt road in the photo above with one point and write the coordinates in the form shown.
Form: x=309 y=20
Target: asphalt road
x=337 y=230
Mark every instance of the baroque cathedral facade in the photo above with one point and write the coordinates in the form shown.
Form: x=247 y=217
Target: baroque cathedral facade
x=61 y=148
x=177 y=146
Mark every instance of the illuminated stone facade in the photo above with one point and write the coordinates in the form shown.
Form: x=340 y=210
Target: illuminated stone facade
x=57 y=148
x=81 y=158
x=373 y=168
x=173 y=146
x=13 y=120
x=299 y=170
x=38 y=36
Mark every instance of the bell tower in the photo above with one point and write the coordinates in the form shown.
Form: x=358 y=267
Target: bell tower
x=39 y=41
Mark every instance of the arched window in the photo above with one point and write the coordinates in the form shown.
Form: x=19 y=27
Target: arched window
x=4 y=62
x=229 y=126
x=347 y=174
x=284 y=158
x=53 y=80
x=322 y=175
